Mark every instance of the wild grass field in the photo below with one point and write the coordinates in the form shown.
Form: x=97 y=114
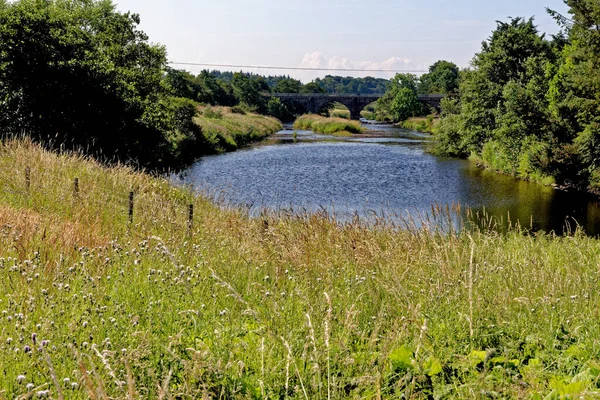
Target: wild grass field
x=275 y=306
x=329 y=126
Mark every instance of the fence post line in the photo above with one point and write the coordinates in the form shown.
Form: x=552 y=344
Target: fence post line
x=28 y=178
x=130 y=207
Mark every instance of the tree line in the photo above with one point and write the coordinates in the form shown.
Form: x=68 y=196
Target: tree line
x=529 y=105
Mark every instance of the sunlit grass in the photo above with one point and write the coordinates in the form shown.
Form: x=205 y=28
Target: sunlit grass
x=227 y=130
x=329 y=126
x=421 y=124
x=277 y=306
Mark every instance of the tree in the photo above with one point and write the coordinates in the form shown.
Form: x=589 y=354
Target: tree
x=443 y=78
x=400 y=102
x=80 y=74
x=248 y=91
x=575 y=88
x=312 y=87
x=288 y=85
x=404 y=104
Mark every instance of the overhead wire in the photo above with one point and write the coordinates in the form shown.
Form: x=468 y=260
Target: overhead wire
x=273 y=67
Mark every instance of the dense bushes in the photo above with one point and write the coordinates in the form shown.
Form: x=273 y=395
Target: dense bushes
x=78 y=74
x=529 y=106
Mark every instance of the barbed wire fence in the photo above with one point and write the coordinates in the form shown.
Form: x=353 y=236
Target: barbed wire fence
x=83 y=200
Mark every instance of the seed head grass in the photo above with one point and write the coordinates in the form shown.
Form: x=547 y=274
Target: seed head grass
x=277 y=306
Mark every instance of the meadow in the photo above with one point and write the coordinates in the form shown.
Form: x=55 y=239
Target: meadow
x=97 y=303
x=330 y=126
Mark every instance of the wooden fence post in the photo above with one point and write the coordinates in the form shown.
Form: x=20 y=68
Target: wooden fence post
x=28 y=178
x=76 y=188
x=191 y=217
x=130 y=207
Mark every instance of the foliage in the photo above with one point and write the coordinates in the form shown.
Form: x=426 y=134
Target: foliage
x=312 y=87
x=278 y=109
x=350 y=85
x=248 y=91
x=443 y=78
x=288 y=85
x=82 y=75
x=400 y=102
x=511 y=112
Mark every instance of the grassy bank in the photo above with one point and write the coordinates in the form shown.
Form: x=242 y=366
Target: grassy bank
x=421 y=124
x=329 y=126
x=92 y=306
x=227 y=128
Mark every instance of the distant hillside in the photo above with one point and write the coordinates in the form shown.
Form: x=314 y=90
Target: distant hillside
x=339 y=84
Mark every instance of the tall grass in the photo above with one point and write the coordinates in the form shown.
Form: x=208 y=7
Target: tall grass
x=421 y=124
x=278 y=306
x=227 y=129
x=329 y=126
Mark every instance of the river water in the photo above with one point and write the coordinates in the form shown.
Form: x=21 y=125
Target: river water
x=391 y=176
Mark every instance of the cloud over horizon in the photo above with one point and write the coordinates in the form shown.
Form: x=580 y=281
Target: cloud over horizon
x=316 y=59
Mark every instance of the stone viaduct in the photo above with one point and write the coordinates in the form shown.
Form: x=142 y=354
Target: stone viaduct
x=313 y=102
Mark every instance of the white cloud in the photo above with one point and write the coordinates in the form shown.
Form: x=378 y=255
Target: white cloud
x=318 y=60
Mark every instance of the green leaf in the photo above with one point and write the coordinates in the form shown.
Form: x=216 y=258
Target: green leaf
x=476 y=357
x=432 y=366
x=402 y=359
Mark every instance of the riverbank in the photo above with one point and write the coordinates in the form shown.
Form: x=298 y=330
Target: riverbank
x=93 y=305
x=329 y=126
x=227 y=129
x=421 y=124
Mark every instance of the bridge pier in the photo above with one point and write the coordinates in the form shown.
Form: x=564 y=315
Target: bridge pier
x=355 y=102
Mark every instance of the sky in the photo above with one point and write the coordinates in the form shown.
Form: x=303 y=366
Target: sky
x=348 y=34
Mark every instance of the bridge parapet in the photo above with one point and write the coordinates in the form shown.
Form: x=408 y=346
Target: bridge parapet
x=354 y=101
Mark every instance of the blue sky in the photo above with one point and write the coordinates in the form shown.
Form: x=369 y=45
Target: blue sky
x=370 y=34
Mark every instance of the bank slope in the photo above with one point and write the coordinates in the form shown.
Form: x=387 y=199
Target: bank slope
x=96 y=302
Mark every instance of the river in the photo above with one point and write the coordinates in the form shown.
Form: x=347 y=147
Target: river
x=391 y=176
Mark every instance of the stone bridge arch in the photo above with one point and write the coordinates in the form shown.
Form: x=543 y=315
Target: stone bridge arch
x=313 y=102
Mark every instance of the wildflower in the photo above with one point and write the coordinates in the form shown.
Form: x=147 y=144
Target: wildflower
x=27 y=349
x=21 y=378
x=74 y=385
x=33 y=337
x=29 y=386
x=43 y=394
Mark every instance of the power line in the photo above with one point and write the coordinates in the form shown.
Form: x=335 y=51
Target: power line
x=294 y=68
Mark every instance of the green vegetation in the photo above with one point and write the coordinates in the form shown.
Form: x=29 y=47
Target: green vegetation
x=528 y=107
x=228 y=129
x=443 y=78
x=400 y=102
x=329 y=126
x=81 y=75
x=350 y=85
x=427 y=124
x=276 y=306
